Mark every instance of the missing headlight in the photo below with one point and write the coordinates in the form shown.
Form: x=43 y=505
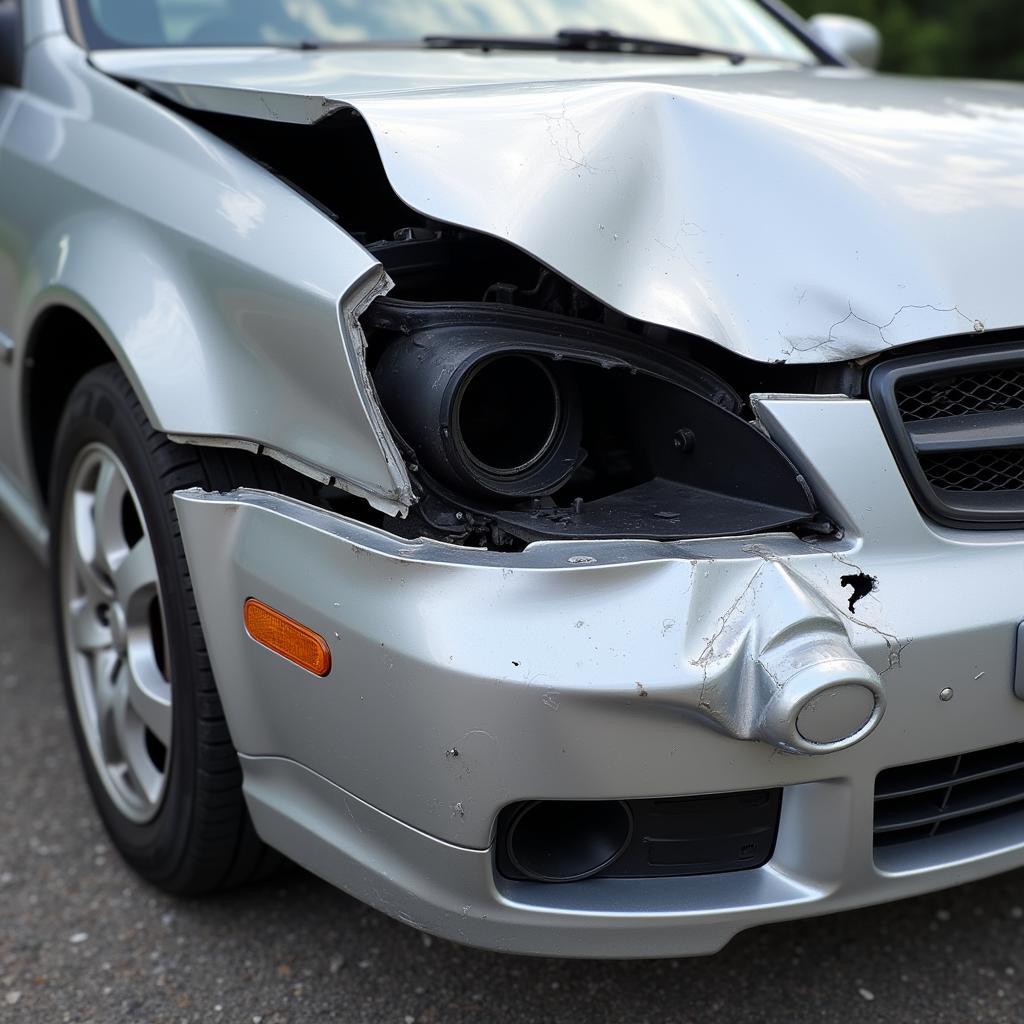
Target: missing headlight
x=524 y=426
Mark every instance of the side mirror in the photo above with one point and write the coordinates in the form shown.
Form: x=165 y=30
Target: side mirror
x=10 y=43
x=851 y=38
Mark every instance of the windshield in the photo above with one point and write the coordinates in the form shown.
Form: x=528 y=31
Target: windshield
x=744 y=26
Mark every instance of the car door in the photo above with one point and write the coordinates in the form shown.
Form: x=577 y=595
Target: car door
x=10 y=97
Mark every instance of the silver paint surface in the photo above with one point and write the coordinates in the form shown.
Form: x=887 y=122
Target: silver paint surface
x=788 y=214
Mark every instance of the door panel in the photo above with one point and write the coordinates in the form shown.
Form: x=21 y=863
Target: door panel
x=10 y=98
x=8 y=290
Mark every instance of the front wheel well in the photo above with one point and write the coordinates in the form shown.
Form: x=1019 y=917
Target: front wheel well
x=62 y=348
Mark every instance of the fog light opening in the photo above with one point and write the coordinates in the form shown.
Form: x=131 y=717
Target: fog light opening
x=567 y=841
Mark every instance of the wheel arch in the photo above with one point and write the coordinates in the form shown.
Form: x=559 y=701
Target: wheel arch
x=62 y=346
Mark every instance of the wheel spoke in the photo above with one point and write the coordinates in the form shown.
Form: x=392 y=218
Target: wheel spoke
x=119 y=710
x=111 y=489
x=142 y=774
x=135 y=577
x=87 y=632
x=105 y=668
x=149 y=694
x=83 y=544
x=141 y=770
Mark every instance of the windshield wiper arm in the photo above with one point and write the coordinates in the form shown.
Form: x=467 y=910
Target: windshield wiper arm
x=587 y=40
x=604 y=39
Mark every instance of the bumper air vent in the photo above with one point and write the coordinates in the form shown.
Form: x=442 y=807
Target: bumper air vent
x=921 y=801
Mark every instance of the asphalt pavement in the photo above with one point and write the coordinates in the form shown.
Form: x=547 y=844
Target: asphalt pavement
x=81 y=939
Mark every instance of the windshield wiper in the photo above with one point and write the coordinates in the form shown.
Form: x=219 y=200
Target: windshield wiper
x=586 y=40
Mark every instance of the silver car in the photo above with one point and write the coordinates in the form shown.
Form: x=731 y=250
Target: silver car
x=554 y=470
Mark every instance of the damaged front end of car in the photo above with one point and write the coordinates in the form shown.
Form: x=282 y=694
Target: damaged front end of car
x=642 y=588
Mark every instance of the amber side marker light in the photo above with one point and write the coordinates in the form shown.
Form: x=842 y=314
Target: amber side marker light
x=286 y=637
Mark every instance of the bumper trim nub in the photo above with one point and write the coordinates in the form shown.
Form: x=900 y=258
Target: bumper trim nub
x=810 y=691
x=821 y=697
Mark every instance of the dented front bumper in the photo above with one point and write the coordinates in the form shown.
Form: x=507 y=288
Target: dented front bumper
x=466 y=680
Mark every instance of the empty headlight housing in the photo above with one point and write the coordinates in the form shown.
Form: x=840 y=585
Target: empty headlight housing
x=543 y=427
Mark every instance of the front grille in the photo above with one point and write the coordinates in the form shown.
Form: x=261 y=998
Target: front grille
x=921 y=801
x=956 y=426
x=933 y=399
x=991 y=469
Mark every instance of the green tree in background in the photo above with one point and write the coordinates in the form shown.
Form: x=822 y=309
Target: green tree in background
x=975 y=38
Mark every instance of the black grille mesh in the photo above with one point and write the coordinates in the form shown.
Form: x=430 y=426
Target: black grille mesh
x=921 y=801
x=986 y=391
x=955 y=421
x=989 y=469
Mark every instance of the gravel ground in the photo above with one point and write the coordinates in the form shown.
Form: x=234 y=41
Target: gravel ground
x=82 y=940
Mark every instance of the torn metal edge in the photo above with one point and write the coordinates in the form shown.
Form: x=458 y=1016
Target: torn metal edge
x=354 y=339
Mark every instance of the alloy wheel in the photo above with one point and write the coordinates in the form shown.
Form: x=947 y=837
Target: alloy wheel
x=114 y=633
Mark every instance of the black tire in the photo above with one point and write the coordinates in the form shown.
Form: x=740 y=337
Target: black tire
x=201 y=838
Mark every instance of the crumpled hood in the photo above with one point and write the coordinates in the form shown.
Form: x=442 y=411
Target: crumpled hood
x=788 y=215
